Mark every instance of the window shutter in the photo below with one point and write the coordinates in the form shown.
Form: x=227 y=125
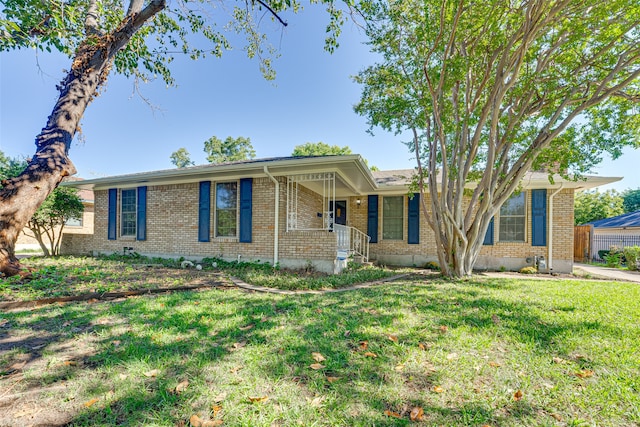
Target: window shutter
x=141 y=225
x=413 y=221
x=488 y=237
x=246 y=191
x=372 y=217
x=113 y=213
x=539 y=217
x=204 y=211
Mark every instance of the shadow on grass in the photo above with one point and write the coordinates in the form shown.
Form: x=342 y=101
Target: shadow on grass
x=245 y=344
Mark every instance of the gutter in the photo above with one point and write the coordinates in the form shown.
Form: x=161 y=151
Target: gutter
x=550 y=230
x=276 y=228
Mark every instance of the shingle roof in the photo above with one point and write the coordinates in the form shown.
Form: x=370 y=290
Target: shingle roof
x=631 y=219
x=393 y=177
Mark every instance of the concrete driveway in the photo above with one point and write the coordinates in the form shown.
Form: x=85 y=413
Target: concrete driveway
x=598 y=272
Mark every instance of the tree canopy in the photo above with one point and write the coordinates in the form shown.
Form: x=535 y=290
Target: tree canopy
x=594 y=205
x=229 y=150
x=491 y=90
x=181 y=158
x=320 y=149
x=631 y=200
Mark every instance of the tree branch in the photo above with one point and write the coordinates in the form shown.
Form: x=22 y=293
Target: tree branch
x=91 y=21
x=273 y=12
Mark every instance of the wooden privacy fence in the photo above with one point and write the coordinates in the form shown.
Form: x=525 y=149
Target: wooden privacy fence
x=581 y=243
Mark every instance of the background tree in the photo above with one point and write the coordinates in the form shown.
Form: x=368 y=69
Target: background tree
x=47 y=224
x=180 y=158
x=10 y=167
x=138 y=39
x=631 y=200
x=593 y=205
x=320 y=149
x=229 y=150
x=491 y=90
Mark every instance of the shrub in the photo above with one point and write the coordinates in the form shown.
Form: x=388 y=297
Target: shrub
x=432 y=265
x=632 y=256
x=528 y=270
x=613 y=259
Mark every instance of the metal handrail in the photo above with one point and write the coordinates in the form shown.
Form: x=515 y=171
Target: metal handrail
x=352 y=240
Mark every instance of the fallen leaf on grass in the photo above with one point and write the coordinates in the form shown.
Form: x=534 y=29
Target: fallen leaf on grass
x=316 y=401
x=316 y=366
x=437 y=389
x=393 y=338
x=220 y=397
x=494 y=364
x=152 y=373
x=417 y=414
x=585 y=373
x=364 y=345
x=333 y=379
x=70 y=363
x=212 y=423
x=518 y=395
x=443 y=329
x=424 y=346
x=399 y=367
x=237 y=345
x=91 y=402
x=181 y=387
x=247 y=327
x=556 y=417
x=216 y=409
x=195 y=421
x=318 y=357
x=370 y=354
x=559 y=360
x=258 y=399
x=389 y=413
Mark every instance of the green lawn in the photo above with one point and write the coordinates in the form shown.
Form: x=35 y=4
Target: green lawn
x=497 y=352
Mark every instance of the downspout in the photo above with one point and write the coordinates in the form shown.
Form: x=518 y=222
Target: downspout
x=276 y=228
x=550 y=230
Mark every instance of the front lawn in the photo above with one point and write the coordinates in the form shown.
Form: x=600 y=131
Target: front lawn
x=496 y=352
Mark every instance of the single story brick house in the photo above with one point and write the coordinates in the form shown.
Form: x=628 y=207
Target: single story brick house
x=318 y=210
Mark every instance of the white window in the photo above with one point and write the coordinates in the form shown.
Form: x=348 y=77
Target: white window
x=392 y=217
x=513 y=219
x=226 y=209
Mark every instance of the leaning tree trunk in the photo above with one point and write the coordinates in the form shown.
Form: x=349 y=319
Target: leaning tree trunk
x=20 y=197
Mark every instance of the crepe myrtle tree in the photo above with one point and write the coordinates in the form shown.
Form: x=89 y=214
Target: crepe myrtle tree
x=488 y=91
x=137 y=39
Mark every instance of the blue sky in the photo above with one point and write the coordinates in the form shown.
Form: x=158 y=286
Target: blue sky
x=311 y=100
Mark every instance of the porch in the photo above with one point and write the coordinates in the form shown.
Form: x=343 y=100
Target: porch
x=319 y=206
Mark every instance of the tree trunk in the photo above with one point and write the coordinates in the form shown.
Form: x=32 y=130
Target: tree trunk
x=20 y=197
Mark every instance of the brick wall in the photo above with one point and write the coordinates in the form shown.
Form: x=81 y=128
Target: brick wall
x=172 y=230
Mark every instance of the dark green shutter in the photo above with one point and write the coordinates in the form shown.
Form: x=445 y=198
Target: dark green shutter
x=113 y=214
x=413 y=221
x=204 y=211
x=488 y=237
x=372 y=218
x=246 y=190
x=539 y=217
x=141 y=225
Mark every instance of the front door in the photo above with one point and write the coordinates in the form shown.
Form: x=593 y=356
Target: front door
x=340 y=212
